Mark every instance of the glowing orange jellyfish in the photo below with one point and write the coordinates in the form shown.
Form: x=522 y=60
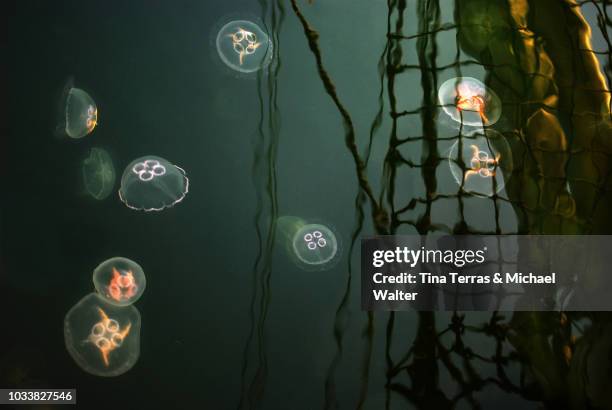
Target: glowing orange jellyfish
x=120 y=281
x=481 y=164
x=244 y=46
x=469 y=102
x=107 y=335
x=122 y=287
x=103 y=338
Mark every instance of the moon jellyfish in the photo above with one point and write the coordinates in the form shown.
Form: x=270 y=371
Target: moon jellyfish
x=152 y=184
x=98 y=173
x=103 y=339
x=480 y=163
x=469 y=102
x=243 y=46
x=120 y=281
x=312 y=246
x=78 y=114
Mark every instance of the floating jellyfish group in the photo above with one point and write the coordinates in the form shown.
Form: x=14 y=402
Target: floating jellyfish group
x=480 y=160
x=152 y=183
x=102 y=331
x=243 y=46
x=149 y=183
x=312 y=246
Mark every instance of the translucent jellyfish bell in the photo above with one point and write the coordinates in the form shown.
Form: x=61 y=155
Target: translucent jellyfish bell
x=469 y=102
x=152 y=183
x=311 y=245
x=98 y=173
x=120 y=281
x=481 y=162
x=243 y=46
x=78 y=113
x=103 y=339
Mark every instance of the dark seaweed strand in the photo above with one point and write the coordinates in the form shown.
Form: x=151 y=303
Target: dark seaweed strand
x=425 y=375
x=460 y=202
x=378 y=213
x=378 y=118
x=393 y=62
x=256 y=270
x=266 y=147
x=342 y=315
x=273 y=130
x=384 y=72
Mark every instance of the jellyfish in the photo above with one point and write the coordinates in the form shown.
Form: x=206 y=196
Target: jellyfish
x=103 y=339
x=152 y=184
x=481 y=163
x=120 y=281
x=77 y=111
x=98 y=173
x=469 y=102
x=313 y=246
x=243 y=46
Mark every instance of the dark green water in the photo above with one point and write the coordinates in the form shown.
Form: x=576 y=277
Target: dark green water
x=161 y=90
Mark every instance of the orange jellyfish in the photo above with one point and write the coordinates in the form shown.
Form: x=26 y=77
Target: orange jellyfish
x=481 y=163
x=77 y=112
x=102 y=338
x=469 y=102
x=244 y=46
x=120 y=281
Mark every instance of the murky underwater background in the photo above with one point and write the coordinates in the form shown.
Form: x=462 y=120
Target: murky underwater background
x=161 y=90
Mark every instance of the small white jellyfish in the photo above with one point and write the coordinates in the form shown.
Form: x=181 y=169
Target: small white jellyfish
x=469 y=102
x=120 y=281
x=77 y=112
x=103 y=339
x=481 y=162
x=243 y=46
x=98 y=173
x=311 y=245
x=152 y=183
